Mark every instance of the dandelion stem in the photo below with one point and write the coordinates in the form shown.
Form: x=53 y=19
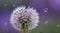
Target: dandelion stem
x=24 y=28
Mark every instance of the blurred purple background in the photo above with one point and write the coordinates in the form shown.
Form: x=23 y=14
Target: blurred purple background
x=49 y=11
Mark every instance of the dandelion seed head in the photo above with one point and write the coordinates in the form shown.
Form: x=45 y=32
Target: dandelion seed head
x=24 y=13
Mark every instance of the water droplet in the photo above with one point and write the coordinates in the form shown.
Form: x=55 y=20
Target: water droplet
x=13 y=5
x=5 y=23
x=46 y=10
x=46 y=22
x=5 y=4
x=58 y=25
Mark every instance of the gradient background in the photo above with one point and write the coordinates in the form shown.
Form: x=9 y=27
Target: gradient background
x=49 y=11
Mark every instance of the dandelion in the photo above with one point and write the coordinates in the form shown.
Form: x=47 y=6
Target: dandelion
x=24 y=19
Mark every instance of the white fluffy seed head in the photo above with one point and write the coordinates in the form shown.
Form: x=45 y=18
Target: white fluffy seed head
x=19 y=11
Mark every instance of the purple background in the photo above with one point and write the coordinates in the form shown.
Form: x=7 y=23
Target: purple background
x=49 y=10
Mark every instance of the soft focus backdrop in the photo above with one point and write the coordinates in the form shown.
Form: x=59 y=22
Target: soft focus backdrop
x=49 y=12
